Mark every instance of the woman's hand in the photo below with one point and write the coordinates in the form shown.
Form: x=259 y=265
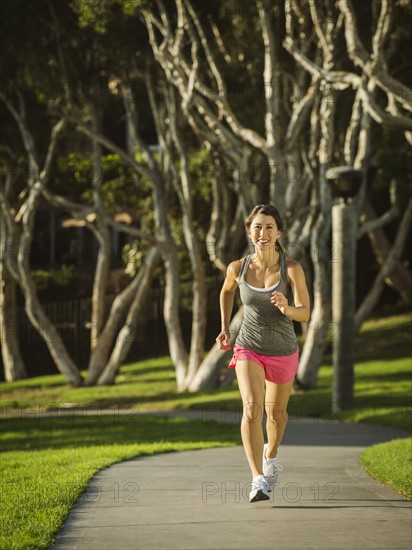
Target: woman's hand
x=223 y=340
x=279 y=300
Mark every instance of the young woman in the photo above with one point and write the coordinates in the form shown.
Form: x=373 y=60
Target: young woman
x=274 y=293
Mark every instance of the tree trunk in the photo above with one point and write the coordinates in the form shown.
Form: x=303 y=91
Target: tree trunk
x=103 y=235
x=98 y=316
x=199 y=318
x=22 y=224
x=184 y=188
x=171 y=314
x=118 y=312
x=217 y=235
x=49 y=333
x=126 y=335
x=14 y=368
x=159 y=179
x=314 y=346
x=37 y=316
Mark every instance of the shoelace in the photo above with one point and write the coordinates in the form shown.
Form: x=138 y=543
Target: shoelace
x=275 y=467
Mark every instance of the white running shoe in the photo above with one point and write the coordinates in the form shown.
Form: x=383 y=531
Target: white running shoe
x=260 y=490
x=271 y=469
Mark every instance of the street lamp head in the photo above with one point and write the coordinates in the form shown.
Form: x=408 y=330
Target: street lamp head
x=344 y=181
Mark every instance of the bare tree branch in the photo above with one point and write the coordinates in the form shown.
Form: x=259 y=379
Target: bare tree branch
x=341 y=80
x=360 y=57
x=271 y=66
x=388 y=216
x=392 y=259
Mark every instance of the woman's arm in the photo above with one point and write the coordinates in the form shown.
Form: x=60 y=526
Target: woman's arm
x=301 y=310
x=226 y=299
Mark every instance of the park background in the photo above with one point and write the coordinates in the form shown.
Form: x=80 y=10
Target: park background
x=136 y=136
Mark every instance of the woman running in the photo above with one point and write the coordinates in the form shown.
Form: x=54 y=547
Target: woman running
x=274 y=294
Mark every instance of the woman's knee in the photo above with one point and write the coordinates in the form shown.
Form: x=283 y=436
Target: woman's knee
x=252 y=411
x=276 y=416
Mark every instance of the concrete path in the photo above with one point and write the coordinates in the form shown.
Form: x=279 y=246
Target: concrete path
x=198 y=500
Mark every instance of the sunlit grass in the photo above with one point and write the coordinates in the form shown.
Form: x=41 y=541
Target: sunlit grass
x=47 y=463
x=391 y=463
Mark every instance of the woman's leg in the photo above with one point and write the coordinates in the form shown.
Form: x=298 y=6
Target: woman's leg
x=251 y=381
x=276 y=400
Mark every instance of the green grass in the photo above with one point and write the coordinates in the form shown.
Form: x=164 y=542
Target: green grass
x=391 y=463
x=47 y=463
x=382 y=395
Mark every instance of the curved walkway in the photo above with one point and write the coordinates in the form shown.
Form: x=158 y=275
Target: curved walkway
x=197 y=500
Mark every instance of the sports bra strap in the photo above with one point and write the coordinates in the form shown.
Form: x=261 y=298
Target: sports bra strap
x=244 y=266
x=283 y=267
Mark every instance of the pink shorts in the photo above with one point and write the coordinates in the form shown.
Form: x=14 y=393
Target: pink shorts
x=278 y=369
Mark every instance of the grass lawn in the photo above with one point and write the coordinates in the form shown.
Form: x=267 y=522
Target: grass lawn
x=47 y=461
x=391 y=463
x=46 y=464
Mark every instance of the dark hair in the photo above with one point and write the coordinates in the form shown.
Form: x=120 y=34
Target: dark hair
x=267 y=210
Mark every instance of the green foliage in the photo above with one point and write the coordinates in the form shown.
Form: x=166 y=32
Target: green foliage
x=74 y=175
x=121 y=187
x=133 y=255
x=201 y=170
x=99 y=14
x=131 y=7
x=61 y=277
x=92 y=13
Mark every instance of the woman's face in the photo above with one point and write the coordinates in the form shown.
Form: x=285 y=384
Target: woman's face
x=263 y=231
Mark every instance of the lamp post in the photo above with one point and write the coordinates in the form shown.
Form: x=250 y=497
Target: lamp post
x=345 y=183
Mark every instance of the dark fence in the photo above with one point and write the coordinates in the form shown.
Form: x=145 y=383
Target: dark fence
x=72 y=320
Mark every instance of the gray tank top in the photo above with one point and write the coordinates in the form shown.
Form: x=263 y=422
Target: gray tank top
x=264 y=328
